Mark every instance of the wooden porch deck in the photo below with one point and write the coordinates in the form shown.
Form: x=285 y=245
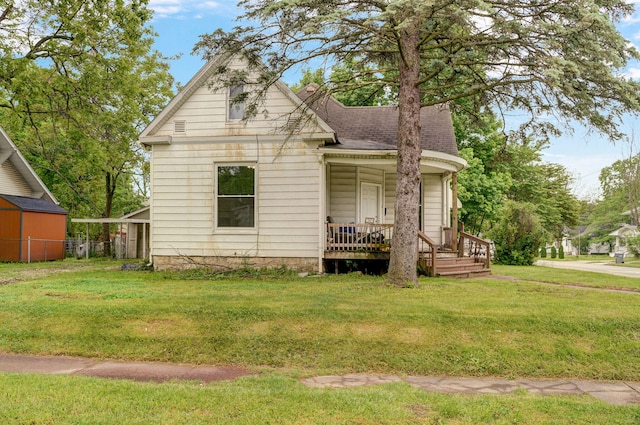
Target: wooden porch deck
x=372 y=243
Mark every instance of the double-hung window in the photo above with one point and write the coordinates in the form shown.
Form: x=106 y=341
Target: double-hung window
x=236 y=102
x=236 y=196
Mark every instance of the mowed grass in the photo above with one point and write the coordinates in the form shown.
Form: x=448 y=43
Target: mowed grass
x=282 y=400
x=327 y=325
x=287 y=327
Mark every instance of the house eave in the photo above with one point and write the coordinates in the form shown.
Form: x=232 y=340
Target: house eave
x=429 y=159
x=155 y=140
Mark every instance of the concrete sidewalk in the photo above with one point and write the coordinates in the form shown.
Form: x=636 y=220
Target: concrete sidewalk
x=619 y=393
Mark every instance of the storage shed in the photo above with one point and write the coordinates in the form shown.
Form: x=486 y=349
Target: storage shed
x=31 y=229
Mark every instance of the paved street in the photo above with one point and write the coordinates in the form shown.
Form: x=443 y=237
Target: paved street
x=597 y=266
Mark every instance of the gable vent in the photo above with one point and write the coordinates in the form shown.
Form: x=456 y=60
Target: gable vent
x=180 y=126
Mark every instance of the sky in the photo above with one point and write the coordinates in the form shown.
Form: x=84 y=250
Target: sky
x=179 y=23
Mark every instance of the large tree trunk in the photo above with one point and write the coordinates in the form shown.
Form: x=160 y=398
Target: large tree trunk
x=106 y=228
x=404 y=250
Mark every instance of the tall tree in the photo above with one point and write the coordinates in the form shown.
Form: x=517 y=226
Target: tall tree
x=558 y=57
x=78 y=81
x=621 y=180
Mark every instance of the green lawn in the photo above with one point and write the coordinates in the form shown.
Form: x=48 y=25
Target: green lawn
x=287 y=327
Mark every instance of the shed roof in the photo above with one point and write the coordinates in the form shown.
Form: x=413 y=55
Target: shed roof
x=34 y=204
x=376 y=127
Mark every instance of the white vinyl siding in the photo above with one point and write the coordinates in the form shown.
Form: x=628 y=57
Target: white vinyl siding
x=183 y=210
x=11 y=182
x=432 y=206
x=205 y=115
x=342 y=193
x=390 y=180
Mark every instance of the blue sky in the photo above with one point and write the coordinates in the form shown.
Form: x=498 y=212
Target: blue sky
x=179 y=23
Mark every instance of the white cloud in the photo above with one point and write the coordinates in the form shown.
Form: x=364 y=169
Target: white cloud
x=184 y=8
x=164 y=8
x=634 y=73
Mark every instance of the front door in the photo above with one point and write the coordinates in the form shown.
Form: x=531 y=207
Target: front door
x=370 y=203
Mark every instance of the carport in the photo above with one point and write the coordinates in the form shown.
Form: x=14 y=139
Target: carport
x=120 y=222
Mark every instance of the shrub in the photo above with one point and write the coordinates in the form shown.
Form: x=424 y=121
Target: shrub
x=634 y=245
x=543 y=252
x=518 y=234
x=561 y=252
x=554 y=252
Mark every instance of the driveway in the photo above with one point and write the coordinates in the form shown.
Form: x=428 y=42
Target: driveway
x=592 y=266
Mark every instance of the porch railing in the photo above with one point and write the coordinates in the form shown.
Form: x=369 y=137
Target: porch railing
x=367 y=238
x=358 y=237
x=475 y=247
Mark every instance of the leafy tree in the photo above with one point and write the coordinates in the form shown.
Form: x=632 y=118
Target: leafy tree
x=518 y=235
x=481 y=192
x=545 y=185
x=540 y=57
x=78 y=82
x=633 y=244
x=621 y=181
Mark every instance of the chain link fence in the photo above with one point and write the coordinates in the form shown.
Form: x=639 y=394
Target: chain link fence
x=34 y=249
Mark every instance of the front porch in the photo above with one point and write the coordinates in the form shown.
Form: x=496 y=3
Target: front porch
x=370 y=244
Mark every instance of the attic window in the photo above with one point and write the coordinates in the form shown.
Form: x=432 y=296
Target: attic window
x=236 y=102
x=180 y=127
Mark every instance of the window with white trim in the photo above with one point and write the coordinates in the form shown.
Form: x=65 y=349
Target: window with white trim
x=236 y=195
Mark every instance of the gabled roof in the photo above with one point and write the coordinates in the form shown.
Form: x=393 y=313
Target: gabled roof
x=34 y=205
x=626 y=229
x=141 y=213
x=376 y=127
x=202 y=78
x=9 y=152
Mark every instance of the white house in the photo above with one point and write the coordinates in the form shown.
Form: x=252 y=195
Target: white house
x=621 y=235
x=226 y=190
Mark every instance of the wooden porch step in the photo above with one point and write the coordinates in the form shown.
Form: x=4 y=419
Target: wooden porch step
x=461 y=267
x=464 y=273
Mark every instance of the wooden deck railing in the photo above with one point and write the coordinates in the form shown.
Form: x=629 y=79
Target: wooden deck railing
x=427 y=254
x=358 y=237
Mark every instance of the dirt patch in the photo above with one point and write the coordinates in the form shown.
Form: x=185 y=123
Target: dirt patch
x=37 y=273
x=162 y=372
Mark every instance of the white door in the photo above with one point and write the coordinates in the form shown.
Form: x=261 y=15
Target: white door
x=370 y=203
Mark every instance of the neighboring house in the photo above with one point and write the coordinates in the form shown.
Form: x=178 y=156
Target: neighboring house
x=571 y=239
x=32 y=225
x=226 y=191
x=621 y=235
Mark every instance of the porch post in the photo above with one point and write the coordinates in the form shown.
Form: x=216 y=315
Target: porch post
x=454 y=211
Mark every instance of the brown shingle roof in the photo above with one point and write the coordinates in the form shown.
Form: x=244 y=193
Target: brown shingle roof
x=376 y=127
